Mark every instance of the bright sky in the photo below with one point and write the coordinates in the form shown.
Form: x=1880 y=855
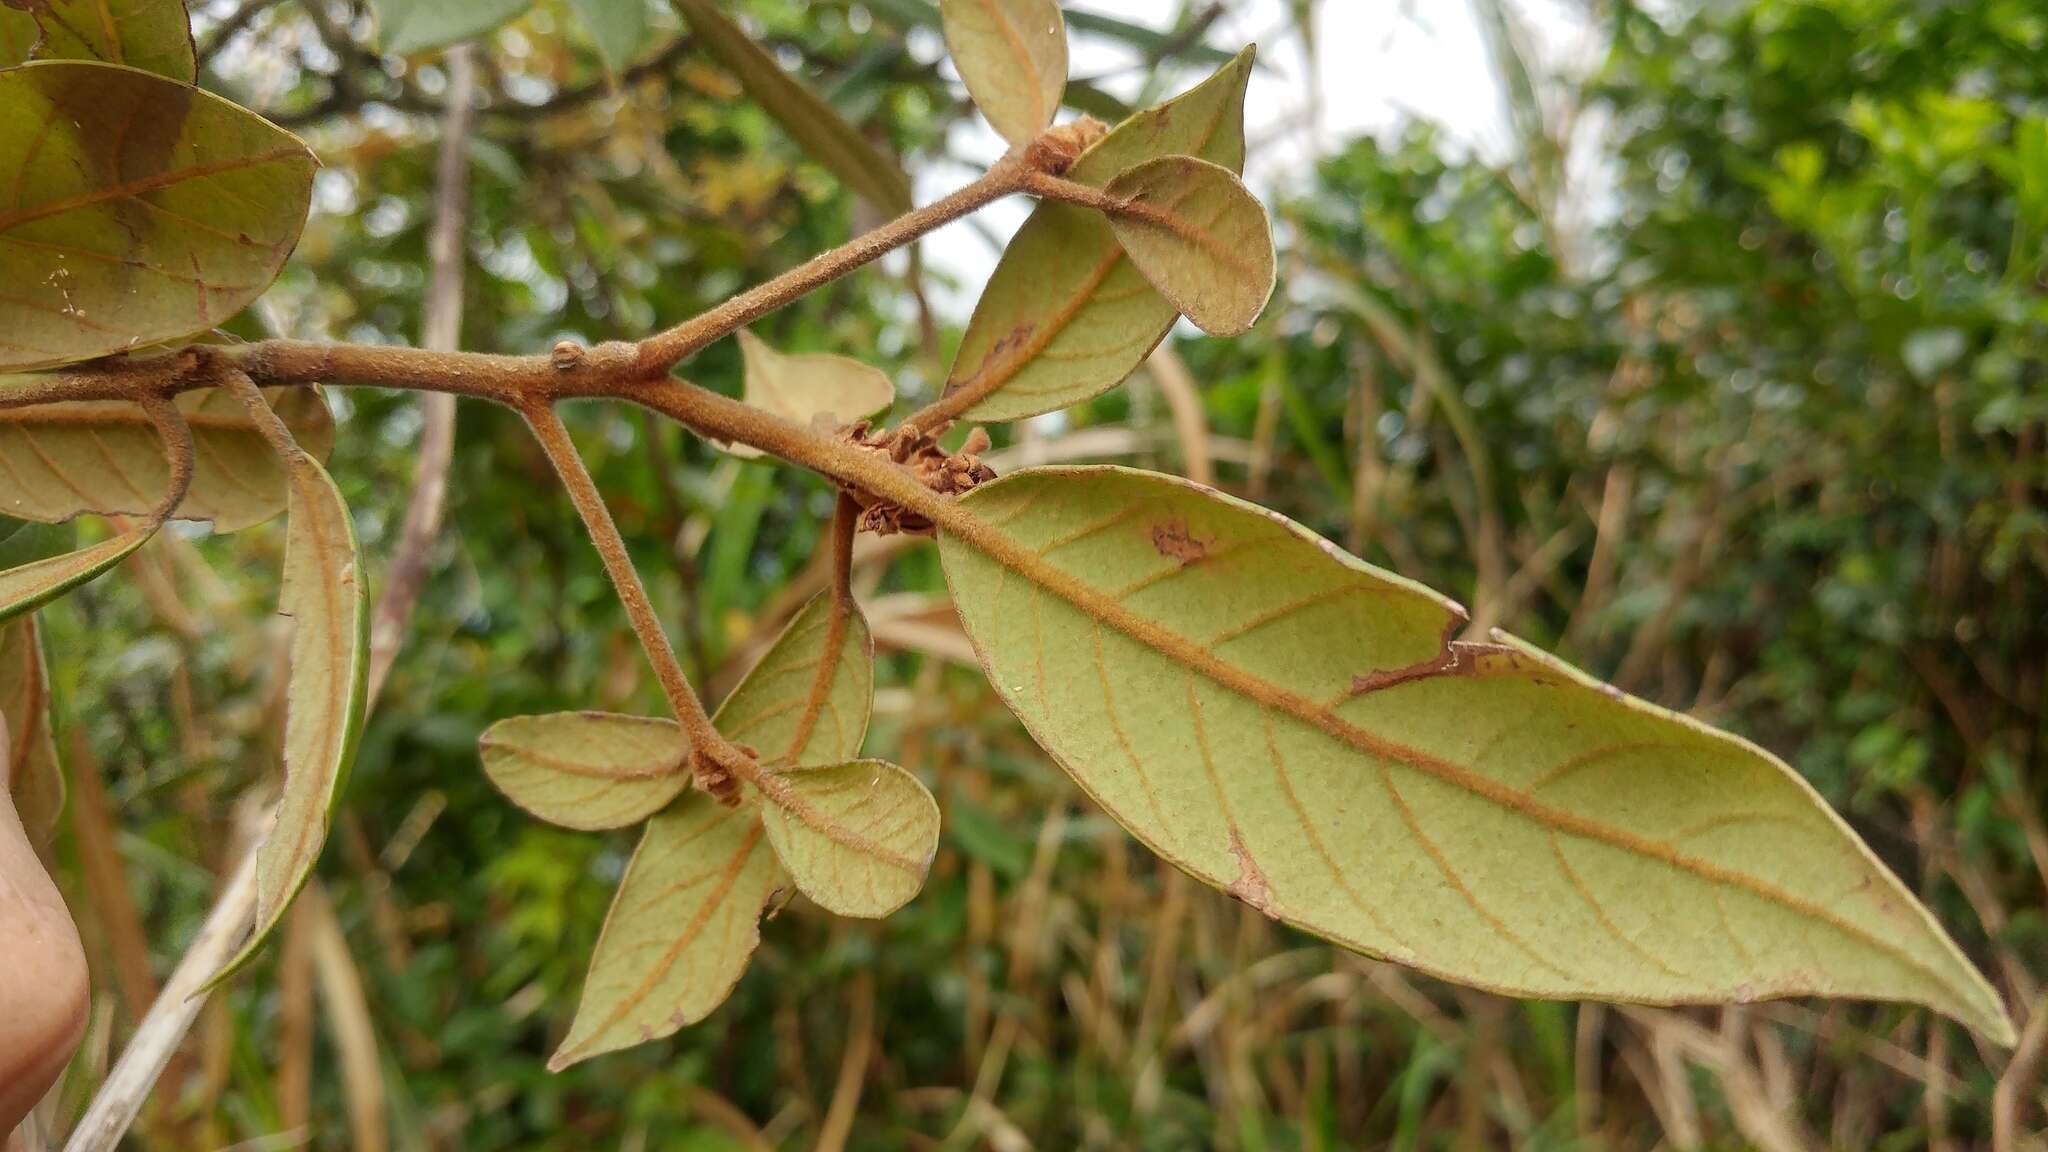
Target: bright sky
x=1384 y=62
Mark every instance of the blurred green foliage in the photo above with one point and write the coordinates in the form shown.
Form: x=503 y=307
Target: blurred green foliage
x=1753 y=418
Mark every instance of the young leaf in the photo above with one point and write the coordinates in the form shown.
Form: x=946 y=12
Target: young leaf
x=37 y=583
x=1066 y=315
x=1296 y=727
x=324 y=594
x=686 y=915
x=1012 y=55
x=106 y=457
x=38 y=780
x=809 y=387
x=1199 y=237
x=587 y=770
x=684 y=922
x=858 y=837
x=617 y=27
x=153 y=35
x=822 y=132
x=144 y=210
x=405 y=27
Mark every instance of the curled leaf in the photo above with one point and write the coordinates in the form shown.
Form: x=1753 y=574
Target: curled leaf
x=106 y=457
x=1199 y=237
x=1296 y=727
x=587 y=770
x=328 y=602
x=858 y=837
x=38 y=780
x=144 y=210
x=153 y=35
x=34 y=584
x=809 y=388
x=1012 y=55
x=1066 y=315
x=684 y=922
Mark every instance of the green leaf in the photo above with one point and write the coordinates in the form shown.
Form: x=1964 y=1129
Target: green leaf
x=25 y=541
x=617 y=27
x=684 y=922
x=858 y=837
x=686 y=916
x=144 y=210
x=1012 y=55
x=62 y=460
x=587 y=770
x=1297 y=728
x=405 y=27
x=38 y=780
x=1199 y=237
x=328 y=602
x=1066 y=315
x=797 y=705
x=153 y=35
x=37 y=583
x=822 y=132
x=810 y=388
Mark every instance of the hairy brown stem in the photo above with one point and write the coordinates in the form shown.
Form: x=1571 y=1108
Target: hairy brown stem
x=705 y=740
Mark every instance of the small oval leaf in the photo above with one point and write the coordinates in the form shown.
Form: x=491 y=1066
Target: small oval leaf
x=106 y=457
x=153 y=35
x=144 y=210
x=1200 y=237
x=1012 y=55
x=684 y=921
x=587 y=770
x=38 y=779
x=1296 y=727
x=325 y=596
x=1066 y=315
x=809 y=388
x=806 y=701
x=858 y=837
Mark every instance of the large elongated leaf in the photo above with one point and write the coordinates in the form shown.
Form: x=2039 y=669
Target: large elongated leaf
x=809 y=387
x=680 y=930
x=1199 y=237
x=38 y=780
x=153 y=35
x=858 y=837
x=60 y=460
x=1012 y=55
x=686 y=915
x=408 y=26
x=588 y=770
x=822 y=132
x=1067 y=315
x=325 y=596
x=142 y=210
x=1296 y=727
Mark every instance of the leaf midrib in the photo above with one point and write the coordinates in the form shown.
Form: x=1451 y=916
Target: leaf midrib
x=134 y=188
x=972 y=530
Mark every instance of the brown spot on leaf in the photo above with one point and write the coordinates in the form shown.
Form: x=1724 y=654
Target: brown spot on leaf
x=1250 y=885
x=1175 y=539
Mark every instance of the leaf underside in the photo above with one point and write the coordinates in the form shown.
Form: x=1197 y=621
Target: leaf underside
x=587 y=770
x=38 y=780
x=32 y=585
x=58 y=461
x=809 y=388
x=1296 y=727
x=143 y=210
x=863 y=838
x=1012 y=55
x=1199 y=237
x=324 y=594
x=153 y=35
x=1066 y=315
x=686 y=915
